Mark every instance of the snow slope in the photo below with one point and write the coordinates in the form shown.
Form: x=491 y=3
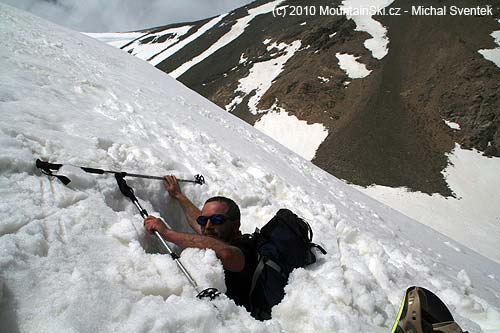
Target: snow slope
x=236 y=30
x=76 y=259
x=471 y=217
x=118 y=39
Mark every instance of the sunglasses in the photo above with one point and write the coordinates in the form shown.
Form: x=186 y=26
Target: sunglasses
x=215 y=219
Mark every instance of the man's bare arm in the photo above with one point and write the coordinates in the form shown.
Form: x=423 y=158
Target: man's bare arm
x=231 y=257
x=190 y=210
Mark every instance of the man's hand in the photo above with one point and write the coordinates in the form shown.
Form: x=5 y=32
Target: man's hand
x=172 y=186
x=153 y=224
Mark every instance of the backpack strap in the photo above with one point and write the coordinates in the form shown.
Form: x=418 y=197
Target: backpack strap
x=263 y=261
x=319 y=247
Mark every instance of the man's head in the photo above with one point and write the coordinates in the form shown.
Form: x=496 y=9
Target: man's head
x=225 y=210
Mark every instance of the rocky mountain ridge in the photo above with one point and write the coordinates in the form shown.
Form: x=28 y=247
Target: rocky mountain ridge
x=387 y=128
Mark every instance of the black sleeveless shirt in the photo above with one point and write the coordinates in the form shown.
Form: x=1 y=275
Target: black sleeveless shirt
x=239 y=283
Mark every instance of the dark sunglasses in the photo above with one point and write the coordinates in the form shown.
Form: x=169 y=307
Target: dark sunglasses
x=215 y=219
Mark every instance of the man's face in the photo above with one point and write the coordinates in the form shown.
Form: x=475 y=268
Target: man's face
x=224 y=231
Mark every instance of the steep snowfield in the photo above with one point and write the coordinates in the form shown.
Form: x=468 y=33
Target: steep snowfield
x=76 y=259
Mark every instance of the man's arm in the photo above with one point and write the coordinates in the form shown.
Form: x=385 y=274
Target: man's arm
x=232 y=258
x=190 y=210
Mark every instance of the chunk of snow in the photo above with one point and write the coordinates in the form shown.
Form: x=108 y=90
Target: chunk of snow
x=295 y=134
x=323 y=79
x=353 y=68
x=452 y=125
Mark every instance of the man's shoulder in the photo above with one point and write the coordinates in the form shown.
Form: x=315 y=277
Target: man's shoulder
x=243 y=240
x=247 y=244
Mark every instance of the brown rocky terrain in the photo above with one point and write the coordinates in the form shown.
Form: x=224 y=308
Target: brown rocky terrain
x=387 y=128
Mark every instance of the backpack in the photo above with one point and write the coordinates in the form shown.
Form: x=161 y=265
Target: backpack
x=283 y=244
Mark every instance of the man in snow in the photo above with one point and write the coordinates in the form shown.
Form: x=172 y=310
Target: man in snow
x=217 y=227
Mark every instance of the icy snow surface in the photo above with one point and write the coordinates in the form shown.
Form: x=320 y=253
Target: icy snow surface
x=76 y=259
x=379 y=41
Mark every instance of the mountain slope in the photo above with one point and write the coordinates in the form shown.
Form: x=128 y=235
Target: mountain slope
x=76 y=258
x=386 y=129
x=379 y=101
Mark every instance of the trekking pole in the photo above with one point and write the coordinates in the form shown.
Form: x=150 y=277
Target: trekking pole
x=47 y=168
x=129 y=192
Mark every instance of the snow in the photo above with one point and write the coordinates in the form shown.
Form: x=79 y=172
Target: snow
x=295 y=134
x=451 y=124
x=148 y=51
x=323 y=79
x=243 y=59
x=473 y=217
x=493 y=54
x=172 y=50
x=353 y=68
x=379 y=41
x=157 y=52
x=262 y=74
x=116 y=39
x=236 y=30
x=287 y=129
x=76 y=258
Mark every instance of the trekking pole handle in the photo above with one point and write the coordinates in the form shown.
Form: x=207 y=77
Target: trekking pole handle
x=46 y=165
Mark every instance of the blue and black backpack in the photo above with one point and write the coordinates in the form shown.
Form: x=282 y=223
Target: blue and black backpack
x=283 y=244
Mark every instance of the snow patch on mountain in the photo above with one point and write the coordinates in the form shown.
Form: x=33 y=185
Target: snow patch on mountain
x=354 y=69
x=295 y=134
x=493 y=54
x=168 y=52
x=475 y=180
x=158 y=42
x=262 y=74
x=452 y=125
x=236 y=30
x=379 y=41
